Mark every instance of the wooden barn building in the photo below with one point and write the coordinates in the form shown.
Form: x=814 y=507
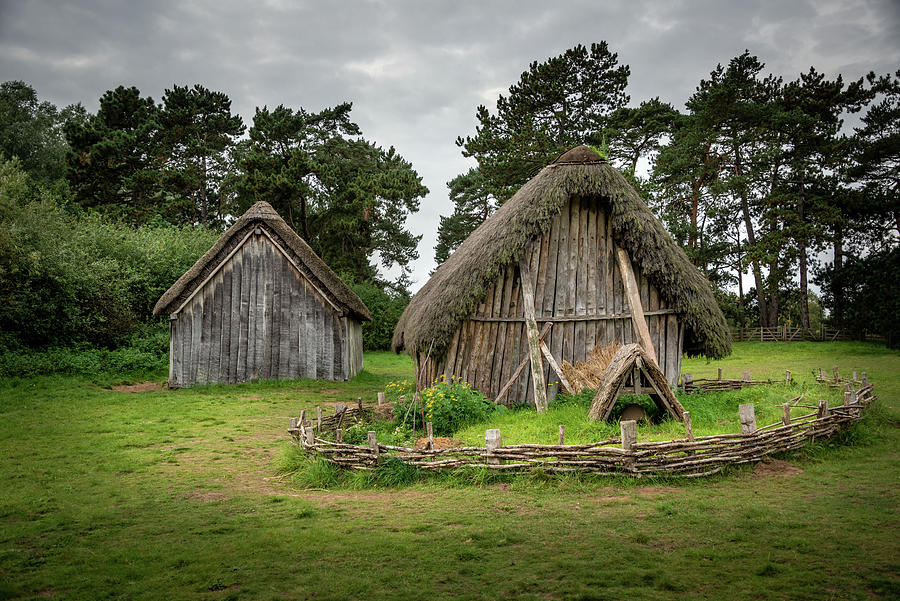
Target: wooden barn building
x=261 y=304
x=563 y=229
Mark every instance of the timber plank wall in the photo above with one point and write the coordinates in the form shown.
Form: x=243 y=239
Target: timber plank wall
x=577 y=286
x=258 y=317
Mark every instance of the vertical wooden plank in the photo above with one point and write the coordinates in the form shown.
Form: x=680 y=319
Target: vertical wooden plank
x=486 y=358
x=308 y=335
x=263 y=247
x=509 y=302
x=319 y=320
x=196 y=309
x=237 y=317
x=275 y=338
x=632 y=295
x=609 y=284
x=591 y=264
x=251 y=265
x=216 y=328
x=173 y=381
x=581 y=281
x=284 y=319
x=450 y=362
x=296 y=354
x=540 y=267
x=267 y=275
x=549 y=293
x=228 y=339
x=498 y=338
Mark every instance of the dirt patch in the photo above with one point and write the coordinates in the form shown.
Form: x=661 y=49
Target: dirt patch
x=769 y=467
x=139 y=387
x=440 y=442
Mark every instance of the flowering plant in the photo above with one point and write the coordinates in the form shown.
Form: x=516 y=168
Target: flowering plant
x=450 y=405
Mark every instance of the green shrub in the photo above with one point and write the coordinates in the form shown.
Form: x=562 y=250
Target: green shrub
x=76 y=279
x=449 y=406
x=386 y=306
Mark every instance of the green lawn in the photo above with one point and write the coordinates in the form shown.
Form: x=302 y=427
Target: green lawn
x=174 y=495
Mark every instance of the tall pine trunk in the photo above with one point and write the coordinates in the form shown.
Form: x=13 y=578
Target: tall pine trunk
x=802 y=243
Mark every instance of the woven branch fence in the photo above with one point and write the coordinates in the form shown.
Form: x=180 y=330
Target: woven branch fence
x=689 y=457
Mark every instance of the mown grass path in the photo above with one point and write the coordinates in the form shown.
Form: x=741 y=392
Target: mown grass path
x=172 y=495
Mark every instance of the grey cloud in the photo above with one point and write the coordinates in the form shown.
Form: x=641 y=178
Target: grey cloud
x=416 y=70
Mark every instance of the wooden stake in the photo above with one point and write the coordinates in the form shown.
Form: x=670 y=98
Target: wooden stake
x=319 y=418
x=634 y=303
x=492 y=442
x=835 y=371
x=786 y=415
x=373 y=444
x=687 y=425
x=562 y=435
x=302 y=415
x=823 y=410
x=430 y=436
x=293 y=423
x=748 y=418
x=310 y=436
x=787 y=376
x=359 y=403
x=720 y=373
x=339 y=436
x=854 y=376
x=865 y=379
x=380 y=399
x=534 y=343
x=521 y=367
x=745 y=376
x=629 y=434
x=553 y=364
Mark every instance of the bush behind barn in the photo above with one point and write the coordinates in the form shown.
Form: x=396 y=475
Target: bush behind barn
x=79 y=279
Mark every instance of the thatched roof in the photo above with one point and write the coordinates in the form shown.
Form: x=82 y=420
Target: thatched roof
x=263 y=215
x=462 y=281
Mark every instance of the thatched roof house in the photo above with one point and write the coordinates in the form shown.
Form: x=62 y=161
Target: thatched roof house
x=565 y=222
x=261 y=304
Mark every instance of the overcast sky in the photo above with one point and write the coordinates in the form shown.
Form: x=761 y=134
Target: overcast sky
x=416 y=70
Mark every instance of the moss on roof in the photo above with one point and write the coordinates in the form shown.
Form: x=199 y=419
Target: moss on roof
x=461 y=282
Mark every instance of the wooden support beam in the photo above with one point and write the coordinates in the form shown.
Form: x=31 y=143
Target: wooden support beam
x=555 y=366
x=634 y=302
x=534 y=343
x=521 y=367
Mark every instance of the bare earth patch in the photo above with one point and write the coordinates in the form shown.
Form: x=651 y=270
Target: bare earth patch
x=769 y=467
x=440 y=442
x=139 y=387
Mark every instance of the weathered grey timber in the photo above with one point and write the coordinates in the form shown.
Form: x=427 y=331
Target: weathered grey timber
x=562 y=229
x=261 y=305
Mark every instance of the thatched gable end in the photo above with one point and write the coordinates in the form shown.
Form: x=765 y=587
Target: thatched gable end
x=262 y=214
x=456 y=288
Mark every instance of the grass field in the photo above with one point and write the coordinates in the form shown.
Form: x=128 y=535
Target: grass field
x=174 y=495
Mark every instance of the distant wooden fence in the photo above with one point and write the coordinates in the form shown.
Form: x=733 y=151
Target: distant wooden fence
x=792 y=334
x=688 y=457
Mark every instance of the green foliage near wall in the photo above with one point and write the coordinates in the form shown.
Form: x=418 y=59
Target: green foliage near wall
x=386 y=306
x=80 y=278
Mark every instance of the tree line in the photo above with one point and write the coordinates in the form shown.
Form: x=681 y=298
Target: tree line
x=756 y=176
x=182 y=169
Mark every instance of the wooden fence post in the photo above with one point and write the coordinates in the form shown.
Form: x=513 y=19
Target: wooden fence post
x=748 y=418
x=359 y=403
x=380 y=399
x=339 y=436
x=836 y=375
x=373 y=444
x=629 y=434
x=786 y=417
x=787 y=376
x=687 y=426
x=720 y=374
x=854 y=376
x=562 y=434
x=823 y=410
x=745 y=376
x=428 y=428
x=319 y=417
x=293 y=423
x=310 y=435
x=865 y=379
x=492 y=442
x=302 y=416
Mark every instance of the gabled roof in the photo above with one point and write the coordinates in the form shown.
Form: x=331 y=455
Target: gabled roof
x=309 y=263
x=462 y=281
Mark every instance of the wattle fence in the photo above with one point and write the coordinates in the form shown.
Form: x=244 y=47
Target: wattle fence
x=688 y=457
